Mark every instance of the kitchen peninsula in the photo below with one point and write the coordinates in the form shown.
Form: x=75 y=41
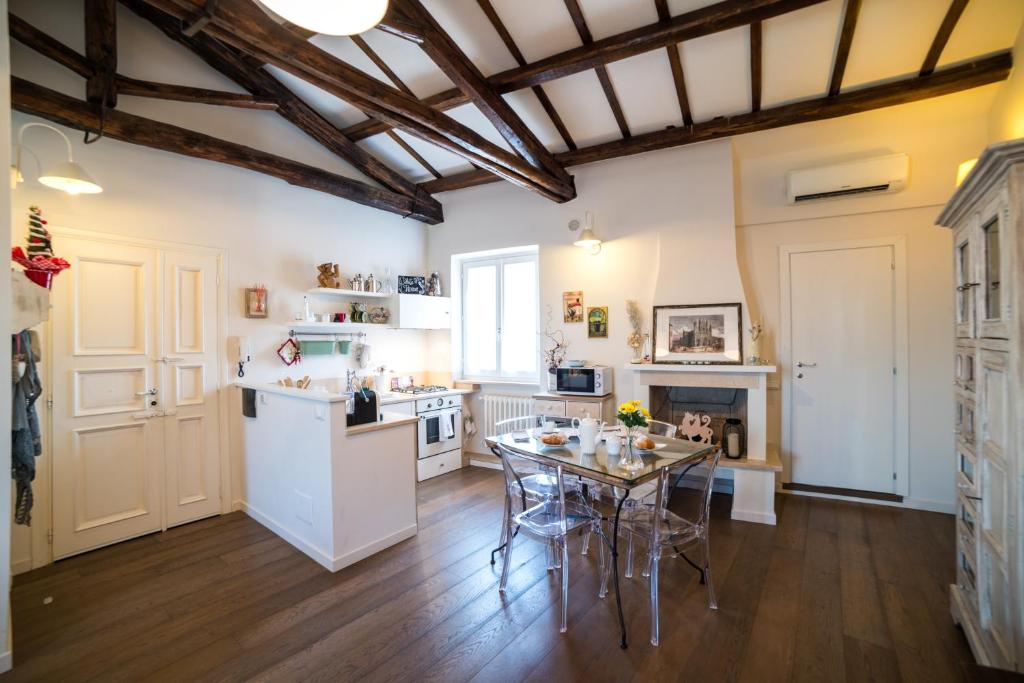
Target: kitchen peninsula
x=337 y=493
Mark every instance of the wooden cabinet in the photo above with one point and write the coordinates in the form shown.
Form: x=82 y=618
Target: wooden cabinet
x=986 y=214
x=555 y=405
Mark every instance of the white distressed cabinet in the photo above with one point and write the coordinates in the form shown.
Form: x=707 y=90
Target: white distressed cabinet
x=987 y=214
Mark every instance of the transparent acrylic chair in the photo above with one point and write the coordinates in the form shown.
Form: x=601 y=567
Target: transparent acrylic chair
x=650 y=521
x=659 y=428
x=536 y=483
x=549 y=520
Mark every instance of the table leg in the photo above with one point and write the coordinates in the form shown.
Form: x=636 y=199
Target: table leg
x=615 y=568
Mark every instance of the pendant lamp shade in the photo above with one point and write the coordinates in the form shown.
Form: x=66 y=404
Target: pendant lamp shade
x=70 y=177
x=330 y=17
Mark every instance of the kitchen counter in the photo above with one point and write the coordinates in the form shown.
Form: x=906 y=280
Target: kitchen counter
x=391 y=397
x=386 y=421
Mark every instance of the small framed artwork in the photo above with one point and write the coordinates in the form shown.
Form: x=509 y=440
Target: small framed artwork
x=256 y=302
x=572 y=307
x=703 y=334
x=412 y=284
x=597 y=322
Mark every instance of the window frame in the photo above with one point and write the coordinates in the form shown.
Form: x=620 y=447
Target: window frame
x=498 y=260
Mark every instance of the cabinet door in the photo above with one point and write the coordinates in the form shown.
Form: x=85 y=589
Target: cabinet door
x=417 y=312
x=963 y=266
x=994 y=240
x=966 y=366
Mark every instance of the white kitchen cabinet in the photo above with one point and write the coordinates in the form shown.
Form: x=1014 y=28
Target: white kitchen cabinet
x=987 y=214
x=418 y=312
x=558 y=405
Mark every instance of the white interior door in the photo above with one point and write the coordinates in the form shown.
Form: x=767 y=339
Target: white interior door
x=842 y=379
x=107 y=446
x=189 y=367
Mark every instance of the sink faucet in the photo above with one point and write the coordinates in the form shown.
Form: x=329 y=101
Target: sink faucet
x=350 y=376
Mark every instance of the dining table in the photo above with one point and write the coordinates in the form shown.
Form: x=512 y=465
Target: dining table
x=604 y=468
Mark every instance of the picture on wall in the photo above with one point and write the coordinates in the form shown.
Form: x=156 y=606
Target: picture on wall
x=698 y=334
x=597 y=322
x=412 y=284
x=256 y=302
x=572 y=307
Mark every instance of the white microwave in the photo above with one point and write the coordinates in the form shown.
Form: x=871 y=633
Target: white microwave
x=589 y=381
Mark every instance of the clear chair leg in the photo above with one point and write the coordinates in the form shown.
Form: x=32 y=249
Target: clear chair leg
x=605 y=568
x=586 y=542
x=629 y=556
x=646 y=571
x=508 y=559
x=564 y=552
x=706 y=552
x=655 y=630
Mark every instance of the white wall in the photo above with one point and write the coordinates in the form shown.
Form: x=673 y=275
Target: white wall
x=657 y=210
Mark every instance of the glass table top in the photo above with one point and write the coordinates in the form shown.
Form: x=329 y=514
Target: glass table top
x=600 y=466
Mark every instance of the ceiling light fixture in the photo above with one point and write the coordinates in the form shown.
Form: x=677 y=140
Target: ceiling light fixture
x=587 y=239
x=330 y=17
x=68 y=176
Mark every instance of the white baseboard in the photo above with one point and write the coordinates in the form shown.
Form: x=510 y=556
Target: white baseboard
x=332 y=564
x=754 y=516
x=21 y=566
x=911 y=503
x=483 y=463
x=6 y=660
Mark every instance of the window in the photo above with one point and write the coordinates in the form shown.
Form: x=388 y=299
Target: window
x=499 y=315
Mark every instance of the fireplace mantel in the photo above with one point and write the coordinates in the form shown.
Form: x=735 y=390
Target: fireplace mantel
x=718 y=369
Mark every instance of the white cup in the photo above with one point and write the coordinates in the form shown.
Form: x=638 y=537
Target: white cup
x=549 y=426
x=613 y=444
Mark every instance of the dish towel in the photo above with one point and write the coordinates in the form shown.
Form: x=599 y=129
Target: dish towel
x=468 y=423
x=447 y=430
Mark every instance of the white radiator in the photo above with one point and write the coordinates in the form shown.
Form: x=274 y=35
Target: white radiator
x=498 y=407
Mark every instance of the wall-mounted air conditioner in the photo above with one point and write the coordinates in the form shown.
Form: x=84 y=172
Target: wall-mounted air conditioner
x=865 y=176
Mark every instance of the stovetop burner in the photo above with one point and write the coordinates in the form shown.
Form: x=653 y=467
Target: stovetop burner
x=422 y=389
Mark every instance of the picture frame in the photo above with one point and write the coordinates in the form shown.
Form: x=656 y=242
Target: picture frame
x=597 y=322
x=256 y=302
x=412 y=284
x=698 y=334
x=572 y=307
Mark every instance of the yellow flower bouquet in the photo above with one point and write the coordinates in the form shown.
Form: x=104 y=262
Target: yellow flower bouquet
x=633 y=416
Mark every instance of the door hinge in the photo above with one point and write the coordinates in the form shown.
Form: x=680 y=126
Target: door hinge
x=894 y=371
x=49 y=402
x=49 y=536
x=894 y=476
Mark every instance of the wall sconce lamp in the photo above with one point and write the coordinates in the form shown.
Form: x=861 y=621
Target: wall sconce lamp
x=587 y=239
x=68 y=176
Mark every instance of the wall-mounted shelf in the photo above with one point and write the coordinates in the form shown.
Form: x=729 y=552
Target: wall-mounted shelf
x=335 y=328
x=348 y=293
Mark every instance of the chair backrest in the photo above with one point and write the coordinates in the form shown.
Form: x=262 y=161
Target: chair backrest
x=698 y=479
x=518 y=424
x=659 y=428
x=516 y=469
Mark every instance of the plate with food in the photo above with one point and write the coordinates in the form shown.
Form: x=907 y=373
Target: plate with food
x=646 y=444
x=552 y=440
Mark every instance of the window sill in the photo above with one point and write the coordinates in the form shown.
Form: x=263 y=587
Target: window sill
x=500 y=382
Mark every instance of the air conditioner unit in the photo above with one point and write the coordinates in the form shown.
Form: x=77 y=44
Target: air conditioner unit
x=865 y=176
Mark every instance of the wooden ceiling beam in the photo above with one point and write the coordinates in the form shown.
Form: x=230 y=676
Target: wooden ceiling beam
x=101 y=51
x=29 y=36
x=538 y=91
x=34 y=99
x=956 y=8
x=252 y=77
x=676 y=64
x=755 y=66
x=450 y=58
x=241 y=24
x=704 y=21
x=185 y=93
x=990 y=69
x=580 y=22
x=835 y=83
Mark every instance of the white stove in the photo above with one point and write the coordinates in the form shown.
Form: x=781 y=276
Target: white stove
x=440 y=435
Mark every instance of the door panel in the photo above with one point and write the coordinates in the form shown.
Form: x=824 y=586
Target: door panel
x=190 y=367
x=107 y=440
x=964 y=280
x=842 y=430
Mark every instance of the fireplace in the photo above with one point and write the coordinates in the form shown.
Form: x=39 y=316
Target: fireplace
x=699 y=411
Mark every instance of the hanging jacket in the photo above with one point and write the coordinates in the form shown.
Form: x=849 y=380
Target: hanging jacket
x=26 y=444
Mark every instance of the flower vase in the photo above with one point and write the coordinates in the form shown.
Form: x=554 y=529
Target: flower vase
x=630 y=460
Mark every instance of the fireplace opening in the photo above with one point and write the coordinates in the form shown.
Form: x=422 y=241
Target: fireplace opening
x=699 y=413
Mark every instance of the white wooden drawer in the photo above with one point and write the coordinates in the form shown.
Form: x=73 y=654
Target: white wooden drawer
x=549 y=408
x=582 y=409
x=437 y=465
x=405 y=408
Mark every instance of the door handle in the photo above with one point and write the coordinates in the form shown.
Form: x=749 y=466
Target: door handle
x=967 y=285
x=806 y=364
x=145 y=415
x=148 y=392
x=167 y=359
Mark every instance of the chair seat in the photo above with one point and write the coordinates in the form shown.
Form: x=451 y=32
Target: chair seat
x=678 y=530
x=542 y=485
x=543 y=519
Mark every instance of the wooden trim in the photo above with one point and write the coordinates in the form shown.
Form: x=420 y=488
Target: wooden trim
x=33 y=38
x=259 y=82
x=755 y=66
x=35 y=99
x=101 y=51
x=956 y=8
x=990 y=69
x=835 y=83
x=676 y=64
x=542 y=97
x=580 y=22
x=704 y=21
x=184 y=93
x=850 y=493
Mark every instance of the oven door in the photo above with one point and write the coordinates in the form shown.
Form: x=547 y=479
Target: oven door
x=575 y=380
x=440 y=431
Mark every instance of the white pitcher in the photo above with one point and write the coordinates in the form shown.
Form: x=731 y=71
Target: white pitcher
x=589 y=430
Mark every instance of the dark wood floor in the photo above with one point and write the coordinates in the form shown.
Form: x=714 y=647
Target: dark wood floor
x=836 y=591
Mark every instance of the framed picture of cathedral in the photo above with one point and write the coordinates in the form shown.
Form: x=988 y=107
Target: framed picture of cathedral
x=700 y=334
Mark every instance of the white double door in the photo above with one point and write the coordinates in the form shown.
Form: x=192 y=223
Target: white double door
x=842 y=407
x=135 y=421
